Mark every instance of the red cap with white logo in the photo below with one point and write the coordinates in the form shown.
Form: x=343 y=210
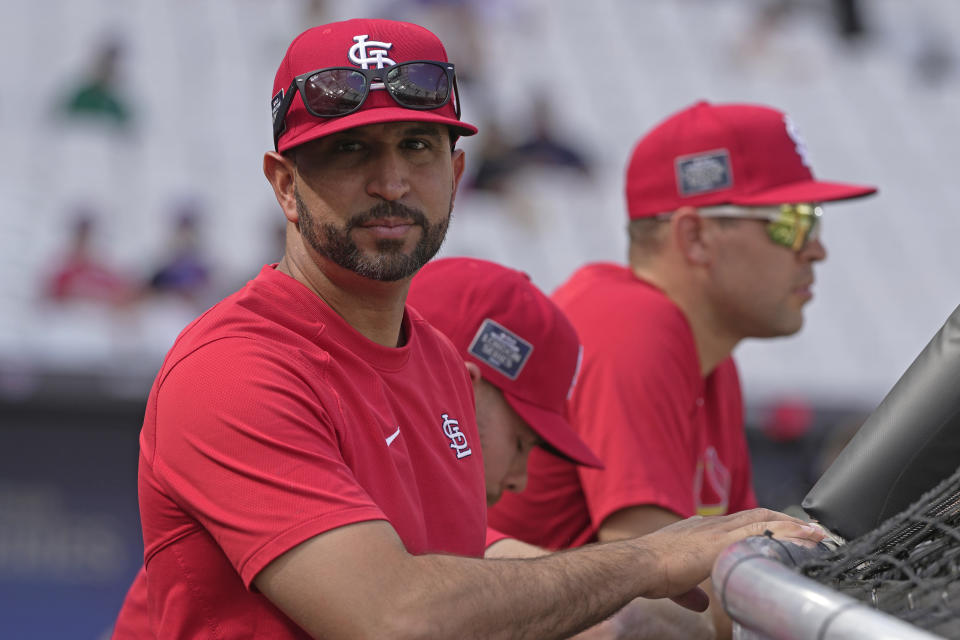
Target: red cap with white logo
x=714 y=154
x=359 y=43
x=522 y=342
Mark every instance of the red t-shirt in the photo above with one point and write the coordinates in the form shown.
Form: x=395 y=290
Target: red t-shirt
x=271 y=421
x=667 y=436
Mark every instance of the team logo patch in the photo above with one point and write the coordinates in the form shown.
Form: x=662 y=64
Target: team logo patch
x=458 y=440
x=500 y=349
x=363 y=53
x=704 y=172
x=711 y=484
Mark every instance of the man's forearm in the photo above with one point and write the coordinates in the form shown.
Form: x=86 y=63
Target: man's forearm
x=359 y=581
x=553 y=596
x=640 y=619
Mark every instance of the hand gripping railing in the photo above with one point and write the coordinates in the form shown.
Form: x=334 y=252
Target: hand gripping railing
x=768 y=600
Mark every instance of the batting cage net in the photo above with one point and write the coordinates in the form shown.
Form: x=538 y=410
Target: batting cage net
x=899 y=574
x=908 y=567
x=901 y=580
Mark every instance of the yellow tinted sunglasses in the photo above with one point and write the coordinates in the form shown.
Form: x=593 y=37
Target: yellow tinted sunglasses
x=790 y=225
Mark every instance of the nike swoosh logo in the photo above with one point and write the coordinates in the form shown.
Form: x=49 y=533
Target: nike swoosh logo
x=393 y=436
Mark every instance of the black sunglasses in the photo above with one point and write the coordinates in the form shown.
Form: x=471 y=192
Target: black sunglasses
x=337 y=91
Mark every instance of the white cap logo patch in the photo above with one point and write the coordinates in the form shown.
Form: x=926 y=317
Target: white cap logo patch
x=798 y=142
x=500 y=349
x=366 y=53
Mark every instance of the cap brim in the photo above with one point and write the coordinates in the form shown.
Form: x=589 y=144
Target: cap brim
x=807 y=191
x=325 y=127
x=555 y=431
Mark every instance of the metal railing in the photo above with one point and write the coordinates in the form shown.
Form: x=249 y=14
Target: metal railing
x=767 y=600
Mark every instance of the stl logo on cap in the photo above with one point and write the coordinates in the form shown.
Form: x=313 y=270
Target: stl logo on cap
x=360 y=72
x=798 y=142
x=360 y=56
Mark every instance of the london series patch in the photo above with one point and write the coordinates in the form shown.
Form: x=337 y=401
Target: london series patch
x=704 y=172
x=501 y=349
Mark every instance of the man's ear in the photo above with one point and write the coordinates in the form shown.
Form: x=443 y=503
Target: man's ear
x=688 y=233
x=459 y=165
x=281 y=174
x=474 y=372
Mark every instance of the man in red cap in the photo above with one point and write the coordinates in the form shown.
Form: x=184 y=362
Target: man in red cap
x=309 y=460
x=522 y=354
x=724 y=232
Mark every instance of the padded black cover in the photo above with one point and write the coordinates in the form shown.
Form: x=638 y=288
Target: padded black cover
x=907 y=446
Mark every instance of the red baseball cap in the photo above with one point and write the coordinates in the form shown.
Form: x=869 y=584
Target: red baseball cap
x=712 y=154
x=358 y=43
x=521 y=341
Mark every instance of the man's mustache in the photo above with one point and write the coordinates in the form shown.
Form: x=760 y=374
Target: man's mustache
x=389 y=210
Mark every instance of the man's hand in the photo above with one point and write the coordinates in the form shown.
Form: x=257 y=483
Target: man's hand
x=684 y=552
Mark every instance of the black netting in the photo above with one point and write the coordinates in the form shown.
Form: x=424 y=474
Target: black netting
x=908 y=567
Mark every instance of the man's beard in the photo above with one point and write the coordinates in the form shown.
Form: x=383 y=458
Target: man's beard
x=389 y=263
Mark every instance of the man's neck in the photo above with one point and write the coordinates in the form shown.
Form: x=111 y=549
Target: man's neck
x=712 y=342
x=373 y=308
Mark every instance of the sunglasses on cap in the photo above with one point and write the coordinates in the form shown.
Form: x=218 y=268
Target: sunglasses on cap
x=789 y=225
x=338 y=91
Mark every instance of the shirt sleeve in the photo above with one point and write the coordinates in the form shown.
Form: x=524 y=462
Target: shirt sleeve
x=249 y=448
x=633 y=408
x=494 y=536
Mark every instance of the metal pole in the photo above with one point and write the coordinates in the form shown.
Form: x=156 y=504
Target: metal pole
x=772 y=601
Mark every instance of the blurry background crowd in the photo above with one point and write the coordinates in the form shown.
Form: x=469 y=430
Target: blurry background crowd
x=132 y=199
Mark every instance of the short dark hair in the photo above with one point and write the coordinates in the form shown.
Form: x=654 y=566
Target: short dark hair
x=646 y=236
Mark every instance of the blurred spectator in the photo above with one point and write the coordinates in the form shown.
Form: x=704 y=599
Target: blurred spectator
x=496 y=163
x=544 y=148
x=933 y=56
x=81 y=275
x=789 y=420
x=848 y=15
x=456 y=22
x=97 y=97
x=185 y=271
x=846 y=19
